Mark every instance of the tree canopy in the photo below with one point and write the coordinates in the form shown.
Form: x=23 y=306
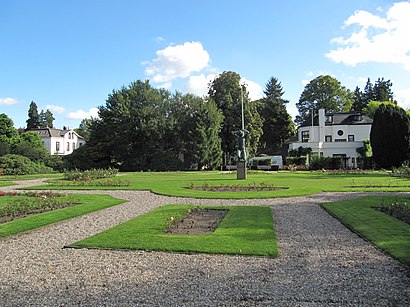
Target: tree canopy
x=277 y=123
x=323 y=92
x=390 y=136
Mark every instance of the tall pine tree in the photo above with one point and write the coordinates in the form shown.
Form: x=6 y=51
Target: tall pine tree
x=33 y=120
x=277 y=125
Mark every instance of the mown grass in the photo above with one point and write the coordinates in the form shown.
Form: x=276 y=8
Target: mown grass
x=297 y=183
x=383 y=230
x=244 y=231
x=87 y=204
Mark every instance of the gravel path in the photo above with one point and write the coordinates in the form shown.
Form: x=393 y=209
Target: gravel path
x=321 y=263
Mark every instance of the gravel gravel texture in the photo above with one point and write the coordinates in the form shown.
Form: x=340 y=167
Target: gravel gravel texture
x=321 y=263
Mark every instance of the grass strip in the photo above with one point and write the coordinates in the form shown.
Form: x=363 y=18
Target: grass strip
x=87 y=204
x=296 y=183
x=245 y=230
x=384 y=231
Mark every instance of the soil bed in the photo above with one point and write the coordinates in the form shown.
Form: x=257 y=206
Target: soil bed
x=198 y=221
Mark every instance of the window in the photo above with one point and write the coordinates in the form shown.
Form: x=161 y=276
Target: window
x=68 y=146
x=329 y=119
x=350 y=138
x=340 y=140
x=328 y=138
x=57 y=146
x=73 y=145
x=305 y=136
x=340 y=132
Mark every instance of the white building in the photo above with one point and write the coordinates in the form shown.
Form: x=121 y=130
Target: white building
x=335 y=135
x=59 y=141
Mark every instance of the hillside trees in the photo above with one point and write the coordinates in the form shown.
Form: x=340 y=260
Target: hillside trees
x=277 y=123
x=390 y=136
x=381 y=91
x=323 y=92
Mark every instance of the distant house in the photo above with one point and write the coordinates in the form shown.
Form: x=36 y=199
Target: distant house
x=334 y=135
x=59 y=141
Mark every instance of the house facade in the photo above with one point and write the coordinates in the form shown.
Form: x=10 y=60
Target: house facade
x=335 y=135
x=59 y=141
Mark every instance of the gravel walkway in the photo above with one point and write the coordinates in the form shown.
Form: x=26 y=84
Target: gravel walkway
x=321 y=263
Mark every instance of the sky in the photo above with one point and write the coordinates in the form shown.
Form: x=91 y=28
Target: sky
x=69 y=55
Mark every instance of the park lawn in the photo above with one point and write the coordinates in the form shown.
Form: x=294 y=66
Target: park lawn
x=295 y=183
x=384 y=231
x=87 y=204
x=245 y=230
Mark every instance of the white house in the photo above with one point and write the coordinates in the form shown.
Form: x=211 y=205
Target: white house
x=335 y=135
x=59 y=141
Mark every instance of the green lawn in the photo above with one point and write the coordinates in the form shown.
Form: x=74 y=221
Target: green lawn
x=384 y=231
x=87 y=204
x=297 y=183
x=244 y=230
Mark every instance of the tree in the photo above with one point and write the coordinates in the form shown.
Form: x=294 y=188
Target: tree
x=33 y=120
x=31 y=146
x=8 y=134
x=323 y=92
x=359 y=102
x=382 y=90
x=227 y=92
x=85 y=128
x=277 y=123
x=372 y=106
x=206 y=135
x=390 y=136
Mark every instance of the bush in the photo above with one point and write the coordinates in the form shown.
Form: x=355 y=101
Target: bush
x=295 y=160
x=18 y=165
x=402 y=171
x=76 y=175
x=317 y=162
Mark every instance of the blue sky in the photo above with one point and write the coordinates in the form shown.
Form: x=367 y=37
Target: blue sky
x=69 y=55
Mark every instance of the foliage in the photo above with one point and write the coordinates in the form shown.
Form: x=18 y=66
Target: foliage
x=20 y=165
x=277 y=123
x=329 y=163
x=402 y=171
x=76 y=175
x=46 y=119
x=253 y=235
x=390 y=136
x=381 y=91
x=384 y=231
x=372 y=106
x=21 y=206
x=300 y=152
x=323 y=92
x=299 y=160
x=8 y=134
x=33 y=120
x=366 y=150
x=85 y=128
x=398 y=209
x=227 y=92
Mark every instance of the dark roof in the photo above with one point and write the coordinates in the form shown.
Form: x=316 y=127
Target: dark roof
x=340 y=119
x=52 y=132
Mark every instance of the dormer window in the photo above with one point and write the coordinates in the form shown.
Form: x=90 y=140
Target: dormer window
x=329 y=119
x=357 y=118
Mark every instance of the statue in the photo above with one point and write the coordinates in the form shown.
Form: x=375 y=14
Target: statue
x=241 y=151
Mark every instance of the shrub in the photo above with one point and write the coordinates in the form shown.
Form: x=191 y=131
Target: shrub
x=18 y=165
x=402 y=171
x=76 y=175
x=295 y=160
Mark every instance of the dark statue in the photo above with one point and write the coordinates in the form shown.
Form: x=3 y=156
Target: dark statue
x=240 y=136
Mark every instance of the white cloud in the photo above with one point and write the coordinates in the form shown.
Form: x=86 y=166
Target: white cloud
x=178 y=61
x=379 y=39
x=56 y=109
x=198 y=85
x=254 y=89
x=81 y=114
x=8 y=101
x=403 y=98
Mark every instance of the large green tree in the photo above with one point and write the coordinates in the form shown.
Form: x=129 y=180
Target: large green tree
x=8 y=134
x=33 y=120
x=277 y=123
x=227 y=92
x=390 y=136
x=323 y=92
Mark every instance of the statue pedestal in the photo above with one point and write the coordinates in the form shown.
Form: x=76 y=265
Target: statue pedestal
x=241 y=170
